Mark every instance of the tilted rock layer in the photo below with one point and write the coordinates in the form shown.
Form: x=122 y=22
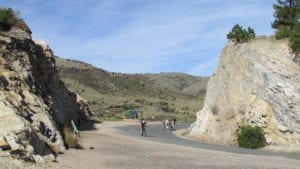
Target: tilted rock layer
x=34 y=102
x=257 y=83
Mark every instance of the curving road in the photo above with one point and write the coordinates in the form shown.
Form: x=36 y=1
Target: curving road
x=156 y=133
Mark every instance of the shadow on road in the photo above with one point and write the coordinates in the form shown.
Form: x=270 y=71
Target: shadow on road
x=88 y=125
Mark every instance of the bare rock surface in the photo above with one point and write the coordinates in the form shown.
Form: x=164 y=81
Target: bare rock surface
x=257 y=83
x=34 y=102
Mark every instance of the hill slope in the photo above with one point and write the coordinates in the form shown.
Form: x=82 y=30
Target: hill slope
x=112 y=94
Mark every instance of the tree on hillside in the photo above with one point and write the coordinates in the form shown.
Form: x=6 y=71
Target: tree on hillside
x=287 y=22
x=295 y=38
x=239 y=35
x=286 y=16
x=7 y=19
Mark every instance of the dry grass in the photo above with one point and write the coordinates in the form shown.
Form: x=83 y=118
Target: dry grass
x=111 y=94
x=72 y=140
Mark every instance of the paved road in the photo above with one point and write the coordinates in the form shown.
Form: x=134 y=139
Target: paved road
x=156 y=133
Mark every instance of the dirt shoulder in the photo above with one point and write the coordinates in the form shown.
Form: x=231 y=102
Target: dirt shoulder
x=105 y=148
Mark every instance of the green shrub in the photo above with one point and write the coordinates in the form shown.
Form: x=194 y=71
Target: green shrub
x=71 y=140
x=239 y=35
x=295 y=39
x=7 y=19
x=282 y=32
x=163 y=103
x=251 y=137
x=214 y=109
x=286 y=14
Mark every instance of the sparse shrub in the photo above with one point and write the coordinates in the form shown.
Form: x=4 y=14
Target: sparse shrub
x=163 y=103
x=71 y=140
x=129 y=106
x=7 y=19
x=240 y=35
x=10 y=18
x=214 y=109
x=186 y=108
x=142 y=101
x=251 y=137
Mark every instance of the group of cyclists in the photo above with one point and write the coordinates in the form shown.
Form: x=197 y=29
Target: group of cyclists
x=167 y=124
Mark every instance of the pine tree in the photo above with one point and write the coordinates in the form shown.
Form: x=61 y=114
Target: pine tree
x=240 y=35
x=286 y=16
x=295 y=38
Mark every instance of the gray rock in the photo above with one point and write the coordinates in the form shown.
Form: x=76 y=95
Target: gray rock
x=11 y=140
x=34 y=101
x=38 y=159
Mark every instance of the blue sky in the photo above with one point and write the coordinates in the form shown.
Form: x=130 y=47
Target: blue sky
x=142 y=36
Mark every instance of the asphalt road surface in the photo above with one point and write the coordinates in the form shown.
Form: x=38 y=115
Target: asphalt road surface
x=155 y=132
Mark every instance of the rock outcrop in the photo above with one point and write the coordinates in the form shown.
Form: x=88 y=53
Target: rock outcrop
x=34 y=102
x=257 y=83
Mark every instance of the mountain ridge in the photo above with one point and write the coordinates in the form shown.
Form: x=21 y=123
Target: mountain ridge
x=144 y=91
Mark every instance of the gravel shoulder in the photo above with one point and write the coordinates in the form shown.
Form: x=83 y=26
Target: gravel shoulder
x=105 y=147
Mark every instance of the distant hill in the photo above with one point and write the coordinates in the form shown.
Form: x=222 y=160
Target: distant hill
x=111 y=94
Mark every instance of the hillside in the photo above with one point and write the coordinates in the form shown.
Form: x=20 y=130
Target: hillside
x=257 y=84
x=111 y=94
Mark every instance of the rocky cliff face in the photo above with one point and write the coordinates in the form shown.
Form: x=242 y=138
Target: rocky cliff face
x=34 y=102
x=257 y=83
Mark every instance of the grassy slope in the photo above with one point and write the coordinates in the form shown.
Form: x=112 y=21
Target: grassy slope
x=110 y=94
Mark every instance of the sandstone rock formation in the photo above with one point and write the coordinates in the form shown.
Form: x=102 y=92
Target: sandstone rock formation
x=34 y=102
x=257 y=83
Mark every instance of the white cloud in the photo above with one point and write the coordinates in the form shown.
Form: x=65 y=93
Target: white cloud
x=143 y=36
x=204 y=67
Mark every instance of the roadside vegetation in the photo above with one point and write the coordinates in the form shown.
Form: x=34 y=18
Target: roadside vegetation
x=251 y=137
x=214 y=109
x=71 y=139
